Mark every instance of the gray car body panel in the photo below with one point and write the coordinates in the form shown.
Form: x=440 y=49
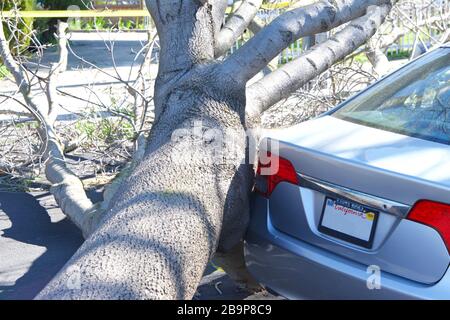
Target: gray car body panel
x=298 y=270
x=283 y=242
x=336 y=145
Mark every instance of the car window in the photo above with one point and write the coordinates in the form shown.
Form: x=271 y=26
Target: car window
x=414 y=101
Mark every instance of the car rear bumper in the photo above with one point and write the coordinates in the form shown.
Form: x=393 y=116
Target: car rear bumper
x=298 y=270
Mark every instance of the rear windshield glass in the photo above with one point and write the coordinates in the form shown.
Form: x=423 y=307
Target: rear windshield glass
x=414 y=101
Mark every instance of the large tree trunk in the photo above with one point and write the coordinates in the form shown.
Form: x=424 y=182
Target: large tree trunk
x=161 y=231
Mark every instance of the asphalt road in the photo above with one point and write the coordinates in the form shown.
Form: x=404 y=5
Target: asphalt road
x=114 y=54
x=36 y=240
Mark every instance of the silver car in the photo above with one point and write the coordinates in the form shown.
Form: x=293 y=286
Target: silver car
x=358 y=206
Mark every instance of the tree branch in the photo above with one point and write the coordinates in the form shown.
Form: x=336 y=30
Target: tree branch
x=287 y=79
x=218 y=10
x=290 y=26
x=186 y=35
x=383 y=41
x=67 y=188
x=236 y=25
x=256 y=25
x=377 y=46
x=17 y=71
x=56 y=69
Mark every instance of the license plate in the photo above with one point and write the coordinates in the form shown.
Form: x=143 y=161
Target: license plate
x=349 y=221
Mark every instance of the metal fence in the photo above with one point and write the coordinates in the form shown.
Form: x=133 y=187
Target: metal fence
x=119 y=10
x=118 y=4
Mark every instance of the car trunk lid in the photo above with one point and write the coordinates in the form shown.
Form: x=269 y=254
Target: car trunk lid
x=386 y=166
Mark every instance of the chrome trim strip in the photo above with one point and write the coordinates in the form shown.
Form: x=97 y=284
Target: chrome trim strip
x=388 y=206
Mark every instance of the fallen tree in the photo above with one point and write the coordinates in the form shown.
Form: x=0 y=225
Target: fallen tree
x=187 y=196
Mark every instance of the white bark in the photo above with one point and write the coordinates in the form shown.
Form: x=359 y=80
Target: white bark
x=285 y=80
x=55 y=70
x=377 y=58
x=236 y=25
x=16 y=70
x=186 y=33
x=290 y=26
x=219 y=8
x=67 y=188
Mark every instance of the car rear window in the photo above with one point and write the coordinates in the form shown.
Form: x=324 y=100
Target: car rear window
x=414 y=101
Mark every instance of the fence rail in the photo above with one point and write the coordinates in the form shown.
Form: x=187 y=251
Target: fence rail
x=267 y=12
x=94 y=13
x=76 y=13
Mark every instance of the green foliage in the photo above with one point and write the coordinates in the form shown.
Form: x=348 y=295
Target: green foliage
x=105 y=130
x=13 y=183
x=107 y=24
x=20 y=41
x=95 y=24
x=46 y=27
x=361 y=58
x=401 y=54
x=3 y=71
x=22 y=4
x=61 y=4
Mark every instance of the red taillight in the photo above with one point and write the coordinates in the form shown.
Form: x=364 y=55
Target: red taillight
x=273 y=171
x=435 y=215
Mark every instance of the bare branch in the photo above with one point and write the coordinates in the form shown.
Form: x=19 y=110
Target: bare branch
x=256 y=25
x=218 y=10
x=384 y=40
x=392 y=31
x=290 y=26
x=67 y=188
x=14 y=68
x=56 y=69
x=179 y=24
x=236 y=25
x=284 y=81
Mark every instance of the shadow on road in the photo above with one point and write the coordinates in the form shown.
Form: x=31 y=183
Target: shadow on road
x=36 y=240
x=31 y=231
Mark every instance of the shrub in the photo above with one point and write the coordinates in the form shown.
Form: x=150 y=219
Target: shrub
x=3 y=71
x=25 y=26
x=47 y=26
x=60 y=4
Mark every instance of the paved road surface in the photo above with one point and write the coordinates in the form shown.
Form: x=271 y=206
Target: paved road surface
x=36 y=240
x=81 y=80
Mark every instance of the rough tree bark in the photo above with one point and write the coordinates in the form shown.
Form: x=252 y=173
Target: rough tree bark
x=189 y=195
